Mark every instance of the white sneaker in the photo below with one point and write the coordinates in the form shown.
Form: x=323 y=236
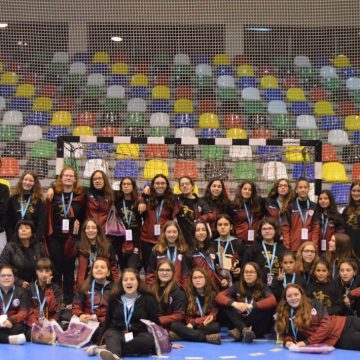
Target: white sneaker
x=108 y=355
x=93 y=350
x=19 y=339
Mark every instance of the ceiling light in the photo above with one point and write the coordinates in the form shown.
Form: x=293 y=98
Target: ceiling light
x=3 y=25
x=258 y=29
x=116 y=38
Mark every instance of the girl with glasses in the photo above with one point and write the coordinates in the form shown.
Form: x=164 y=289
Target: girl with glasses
x=306 y=257
x=248 y=305
x=200 y=324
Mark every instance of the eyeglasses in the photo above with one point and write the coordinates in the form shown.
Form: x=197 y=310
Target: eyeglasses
x=165 y=270
x=198 y=277
x=283 y=185
x=6 y=275
x=184 y=184
x=250 y=272
x=309 y=251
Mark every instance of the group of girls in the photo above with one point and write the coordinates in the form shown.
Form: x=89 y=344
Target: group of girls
x=233 y=258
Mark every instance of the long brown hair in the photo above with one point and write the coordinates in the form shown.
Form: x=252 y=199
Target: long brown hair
x=222 y=201
x=85 y=287
x=343 y=249
x=102 y=243
x=77 y=189
x=169 y=198
x=108 y=191
x=273 y=223
x=303 y=318
x=299 y=265
x=353 y=210
x=164 y=298
x=134 y=193
x=259 y=285
x=36 y=191
x=118 y=289
x=161 y=246
x=209 y=293
x=253 y=202
x=274 y=193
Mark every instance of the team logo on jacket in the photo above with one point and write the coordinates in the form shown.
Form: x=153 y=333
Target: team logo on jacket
x=16 y=302
x=170 y=300
x=311 y=212
x=313 y=311
x=180 y=257
x=212 y=256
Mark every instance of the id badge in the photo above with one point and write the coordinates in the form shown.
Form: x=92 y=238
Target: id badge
x=269 y=277
x=157 y=229
x=323 y=245
x=304 y=234
x=65 y=228
x=251 y=235
x=128 y=235
x=129 y=336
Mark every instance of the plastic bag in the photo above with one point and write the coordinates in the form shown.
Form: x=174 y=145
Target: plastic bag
x=312 y=349
x=161 y=337
x=114 y=225
x=44 y=332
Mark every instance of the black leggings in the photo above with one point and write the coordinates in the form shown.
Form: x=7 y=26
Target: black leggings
x=15 y=330
x=146 y=250
x=142 y=344
x=350 y=337
x=261 y=321
x=198 y=335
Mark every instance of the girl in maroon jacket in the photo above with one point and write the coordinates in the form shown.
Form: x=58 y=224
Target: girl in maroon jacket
x=300 y=223
x=91 y=301
x=306 y=257
x=331 y=221
x=249 y=305
x=171 y=246
x=247 y=212
x=93 y=244
x=204 y=255
x=46 y=296
x=301 y=322
x=161 y=206
x=201 y=324
x=14 y=308
x=171 y=298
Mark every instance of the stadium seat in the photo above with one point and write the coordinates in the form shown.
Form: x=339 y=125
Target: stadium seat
x=42 y=104
x=185 y=168
x=303 y=170
x=7 y=90
x=60 y=57
x=183 y=92
x=7 y=133
x=341 y=193
x=136 y=105
x=243 y=152
x=207 y=106
x=295 y=94
x=161 y=79
x=120 y=69
x=210 y=133
x=100 y=57
x=250 y=94
x=42 y=149
x=203 y=70
x=160 y=105
x=355 y=95
x=346 y=107
x=115 y=92
x=9 y=167
x=277 y=107
x=332 y=84
x=14 y=149
x=272 y=94
x=306 y=122
x=113 y=105
x=184 y=120
x=96 y=80
x=352 y=122
x=39 y=166
x=202 y=59
x=93 y=165
x=274 y=170
x=328 y=153
x=334 y=172
x=184 y=132
x=21 y=104
x=83 y=131
x=317 y=94
x=86 y=118
x=2 y=103
x=322 y=108
x=92 y=92
x=208 y=120
x=159 y=131
x=225 y=81
x=347 y=72
x=355 y=173
x=261 y=133
x=330 y=122
x=302 y=61
x=295 y=154
x=139 y=80
x=245 y=170
x=108 y=131
x=159 y=120
x=290 y=82
x=99 y=151
x=353 y=83
x=328 y=72
x=65 y=104
x=338 y=137
x=183 y=106
x=154 y=167
x=236 y=133
x=311 y=134
x=9 y=78
x=245 y=70
x=269 y=153
x=55 y=131
x=181 y=59
x=48 y=90
x=269 y=82
x=341 y=61
x=61 y=118
x=127 y=151
x=247 y=81
x=221 y=59
x=77 y=68
x=12 y=117
x=280 y=121
x=117 y=80
x=139 y=91
x=232 y=120
x=156 y=151
x=301 y=108
x=25 y=91
x=126 y=168
x=160 y=92
x=356 y=137
x=253 y=107
x=210 y=152
x=31 y=133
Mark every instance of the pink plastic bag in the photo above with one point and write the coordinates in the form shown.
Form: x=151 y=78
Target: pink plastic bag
x=312 y=349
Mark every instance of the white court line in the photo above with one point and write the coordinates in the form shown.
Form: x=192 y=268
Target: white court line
x=257 y=354
x=228 y=357
x=193 y=357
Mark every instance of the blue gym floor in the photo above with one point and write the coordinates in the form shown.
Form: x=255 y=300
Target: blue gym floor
x=191 y=351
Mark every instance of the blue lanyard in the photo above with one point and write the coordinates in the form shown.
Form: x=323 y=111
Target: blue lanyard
x=92 y=298
x=6 y=308
x=280 y=206
x=92 y=258
x=128 y=315
x=225 y=248
x=270 y=263
x=199 y=307
x=292 y=280
x=324 y=224
x=293 y=328
x=66 y=208
x=249 y=217
x=24 y=209
x=129 y=218
x=210 y=264
x=306 y=278
x=41 y=303
x=303 y=219
x=159 y=211
x=333 y=271
x=168 y=255
x=347 y=289
x=248 y=302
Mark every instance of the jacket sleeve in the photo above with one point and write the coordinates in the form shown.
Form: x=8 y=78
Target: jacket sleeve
x=199 y=321
x=4 y=204
x=285 y=228
x=269 y=302
x=226 y=297
x=152 y=309
x=315 y=230
x=40 y=220
x=178 y=308
x=82 y=269
x=78 y=303
x=323 y=329
x=5 y=257
x=150 y=273
x=23 y=313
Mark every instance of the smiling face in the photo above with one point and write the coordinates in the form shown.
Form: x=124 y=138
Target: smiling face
x=309 y=253
x=24 y=232
x=98 y=181
x=324 y=201
x=293 y=297
x=346 y=272
x=160 y=186
x=332 y=244
x=129 y=283
x=28 y=182
x=91 y=230
x=200 y=232
x=355 y=193
x=223 y=227
x=68 y=178
x=100 y=270
x=246 y=191
x=216 y=188
x=198 y=280
x=302 y=189
x=7 y=278
x=171 y=235
x=165 y=273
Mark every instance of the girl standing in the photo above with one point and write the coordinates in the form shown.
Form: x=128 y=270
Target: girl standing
x=300 y=223
x=201 y=325
x=172 y=246
x=249 y=305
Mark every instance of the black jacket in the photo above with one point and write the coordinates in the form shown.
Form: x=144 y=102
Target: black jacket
x=22 y=259
x=4 y=199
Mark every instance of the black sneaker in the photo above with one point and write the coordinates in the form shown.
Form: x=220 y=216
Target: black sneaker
x=108 y=355
x=248 y=335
